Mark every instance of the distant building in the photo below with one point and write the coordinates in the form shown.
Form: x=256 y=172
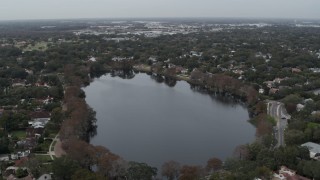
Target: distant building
x=315 y=113
x=273 y=91
x=92 y=59
x=295 y=70
x=278 y=80
x=195 y=53
x=314 y=149
x=261 y=91
x=299 y=107
x=120 y=59
x=269 y=84
x=315 y=70
x=153 y=59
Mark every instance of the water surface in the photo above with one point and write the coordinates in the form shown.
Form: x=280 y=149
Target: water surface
x=143 y=120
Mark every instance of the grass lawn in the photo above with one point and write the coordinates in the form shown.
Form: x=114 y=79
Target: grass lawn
x=39 y=46
x=19 y=134
x=43 y=158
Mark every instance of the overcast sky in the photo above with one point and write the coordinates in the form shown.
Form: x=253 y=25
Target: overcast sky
x=60 y=9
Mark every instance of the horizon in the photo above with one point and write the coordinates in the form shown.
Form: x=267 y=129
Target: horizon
x=162 y=18
x=84 y=9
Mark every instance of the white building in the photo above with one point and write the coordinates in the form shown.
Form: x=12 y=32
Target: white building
x=314 y=150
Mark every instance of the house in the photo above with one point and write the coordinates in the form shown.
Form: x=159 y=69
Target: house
x=41 y=84
x=273 y=91
x=269 y=84
x=295 y=70
x=278 y=177
x=300 y=107
x=11 y=172
x=278 y=80
x=28 y=71
x=285 y=170
x=195 y=53
x=39 y=119
x=315 y=113
x=47 y=100
x=18 y=82
x=92 y=59
x=314 y=149
x=120 y=59
x=23 y=154
x=184 y=71
x=308 y=100
x=287 y=174
x=34 y=131
x=153 y=59
x=20 y=162
x=261 y=91
x=14 y=156
x=28 y=143
x=238 y=71
x=4 y=157
x=181 y=70
x=315 y=70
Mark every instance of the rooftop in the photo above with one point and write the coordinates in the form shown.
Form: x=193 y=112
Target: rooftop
x=313 y=147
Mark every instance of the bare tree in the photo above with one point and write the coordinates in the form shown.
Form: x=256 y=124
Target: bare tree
x=213 y=164
x=170 y=170
x=191 y=172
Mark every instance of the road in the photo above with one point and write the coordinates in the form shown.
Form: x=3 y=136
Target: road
x=278 y=112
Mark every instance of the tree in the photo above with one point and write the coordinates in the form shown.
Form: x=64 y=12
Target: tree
x=34 y=166
x=213 y=164
x=105 y=161
x=84 y=174
x=57 y=115
x=222 y=175
x=293 y=137
x=292 y=99
x=170 y=170
x=20 y=173
x=263 y=128
x=63 y=168
x=190 y=172
x=263 y=172
x=241 y=152
x=140 y=171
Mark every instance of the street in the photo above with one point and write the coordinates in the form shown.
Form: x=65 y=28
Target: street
x=278 y=112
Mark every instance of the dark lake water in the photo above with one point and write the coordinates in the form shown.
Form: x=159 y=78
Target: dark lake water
x=143 y=120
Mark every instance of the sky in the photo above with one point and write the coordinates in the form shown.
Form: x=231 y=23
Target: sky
x=66 y=9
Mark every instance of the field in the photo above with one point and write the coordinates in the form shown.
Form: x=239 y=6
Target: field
x=39 y=46
x=43 y=158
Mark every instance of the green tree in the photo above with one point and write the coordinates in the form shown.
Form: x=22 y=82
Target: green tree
x=84 y=174
x=141 y=171
x=20 y=173
x=63 y=168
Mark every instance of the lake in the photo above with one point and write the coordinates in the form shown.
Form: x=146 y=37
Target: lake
x=144 y=120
